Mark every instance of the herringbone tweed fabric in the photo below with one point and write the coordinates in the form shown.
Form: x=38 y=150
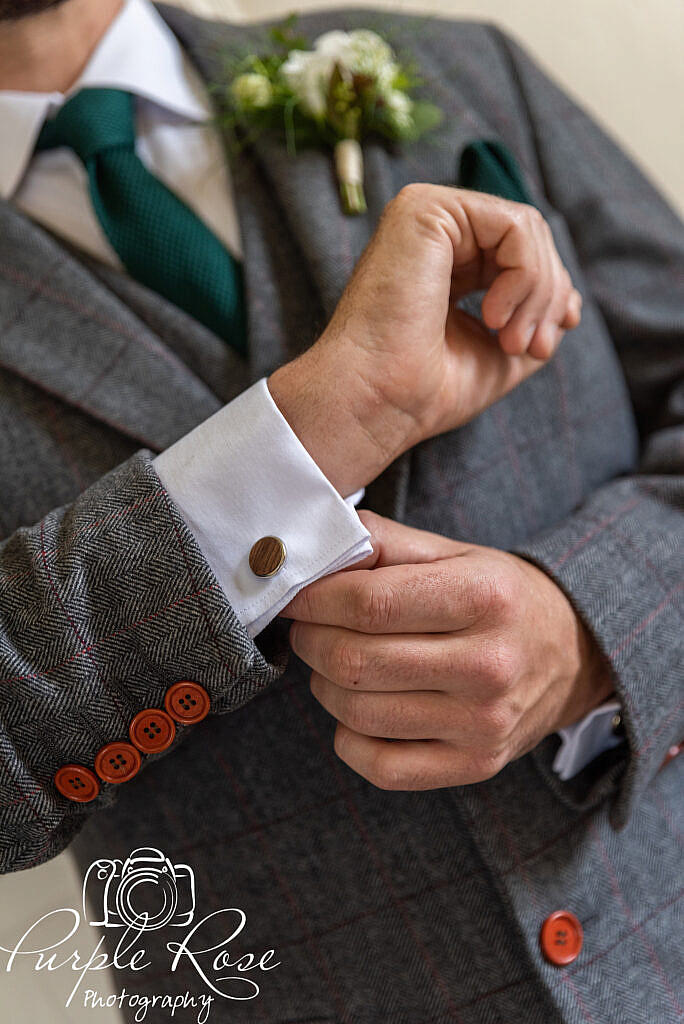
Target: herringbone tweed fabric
x=406 y=908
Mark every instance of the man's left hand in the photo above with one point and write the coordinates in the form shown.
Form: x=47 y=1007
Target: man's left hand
x=443 y=661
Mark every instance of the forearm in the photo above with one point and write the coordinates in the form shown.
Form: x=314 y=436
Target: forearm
x=329 y=399
x=104 y=605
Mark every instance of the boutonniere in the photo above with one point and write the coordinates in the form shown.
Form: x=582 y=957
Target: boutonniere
x=336 y=92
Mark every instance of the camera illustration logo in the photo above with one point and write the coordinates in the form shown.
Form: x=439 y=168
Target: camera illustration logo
x=145 y=892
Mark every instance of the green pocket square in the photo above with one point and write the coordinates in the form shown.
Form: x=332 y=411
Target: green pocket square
x=490 y=167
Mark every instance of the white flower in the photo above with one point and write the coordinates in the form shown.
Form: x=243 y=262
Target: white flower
x=400 y=108
x=333 y=44
x=307 y=73
x=372 y=56
x=361 y=52
x=252 y=90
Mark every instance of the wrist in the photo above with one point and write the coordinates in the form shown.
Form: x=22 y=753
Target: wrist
x=344 y=423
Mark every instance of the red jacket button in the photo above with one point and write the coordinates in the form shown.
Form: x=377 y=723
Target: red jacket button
x=187 y=702
x=77 y=783
x=561 y=938
x=152 y=730
x=117 y=762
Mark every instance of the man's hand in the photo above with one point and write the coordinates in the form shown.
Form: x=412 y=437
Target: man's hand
x=398 y=363
x=464 y=657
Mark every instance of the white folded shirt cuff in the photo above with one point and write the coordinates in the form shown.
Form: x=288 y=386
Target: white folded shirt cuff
x=585 y=740
x=243 y=474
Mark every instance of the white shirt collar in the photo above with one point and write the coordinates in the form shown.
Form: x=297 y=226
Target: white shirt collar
x=139 y=53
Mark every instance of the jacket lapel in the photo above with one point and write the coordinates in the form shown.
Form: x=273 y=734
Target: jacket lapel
x=66 y=331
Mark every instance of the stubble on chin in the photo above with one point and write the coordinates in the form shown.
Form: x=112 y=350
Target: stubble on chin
x=12 y=10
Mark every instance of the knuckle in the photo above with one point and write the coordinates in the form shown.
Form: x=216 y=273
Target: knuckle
x=497 y=721
x=360 y=715
x=545 y=343
x=502 y=594
x=386 y=773
x=411 y=196
x=518 y=214
x=493 y=595
x=347 y=662
x=487 y=763
x=498 y=665
x=371 y=520
x=306 y=603
x=374 y=605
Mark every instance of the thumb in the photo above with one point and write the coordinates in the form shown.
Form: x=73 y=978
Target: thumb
x=396 y=544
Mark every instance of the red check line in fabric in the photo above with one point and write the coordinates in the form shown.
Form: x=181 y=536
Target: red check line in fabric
x=620 y=898
x=660 y=730
x=85 y=649
x=17 y=277
x=641 y=626
x=596 y=529
x=582 y=965
x=110 y=636
x=83 y=529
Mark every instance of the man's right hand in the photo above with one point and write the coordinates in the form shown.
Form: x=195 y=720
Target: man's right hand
x=398 y=362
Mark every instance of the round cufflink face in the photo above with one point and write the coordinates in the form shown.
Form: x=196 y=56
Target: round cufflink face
x=561 y=938
x=187 y=703
x=76 y=782
x=152 y=730
x=117 y=762
x=267 y=556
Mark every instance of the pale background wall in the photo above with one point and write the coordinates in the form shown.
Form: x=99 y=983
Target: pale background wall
x=623 y=60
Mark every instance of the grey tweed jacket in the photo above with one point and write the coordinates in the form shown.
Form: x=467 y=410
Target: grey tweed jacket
x=406 y=908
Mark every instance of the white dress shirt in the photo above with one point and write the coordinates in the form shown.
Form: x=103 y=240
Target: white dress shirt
x=243 y=473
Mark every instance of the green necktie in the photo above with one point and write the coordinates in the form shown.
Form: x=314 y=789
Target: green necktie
x=490 y=167
x=159 y=239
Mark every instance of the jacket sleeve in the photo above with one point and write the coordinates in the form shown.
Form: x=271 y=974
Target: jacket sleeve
x=620 y=557
x=104 y=604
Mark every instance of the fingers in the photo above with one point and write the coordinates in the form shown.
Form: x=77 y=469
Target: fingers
x=435 y=597
x=573 y=312
x=397 y=715
x=536 y=321
x=382 y=663
x=396 y=544
x=531 y=302
x=414 y=764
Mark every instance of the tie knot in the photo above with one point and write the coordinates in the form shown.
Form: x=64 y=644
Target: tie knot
x=91 y=121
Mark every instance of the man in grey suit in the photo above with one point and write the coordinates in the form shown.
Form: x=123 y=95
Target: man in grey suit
x=441 y=868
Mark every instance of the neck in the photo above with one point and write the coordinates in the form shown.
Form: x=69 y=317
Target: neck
x=47 y=52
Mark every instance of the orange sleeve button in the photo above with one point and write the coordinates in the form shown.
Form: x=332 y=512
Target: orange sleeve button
x=187 y=702
x=561 y=938
x=76 y=782
x=152 y=730
x=117 y=762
